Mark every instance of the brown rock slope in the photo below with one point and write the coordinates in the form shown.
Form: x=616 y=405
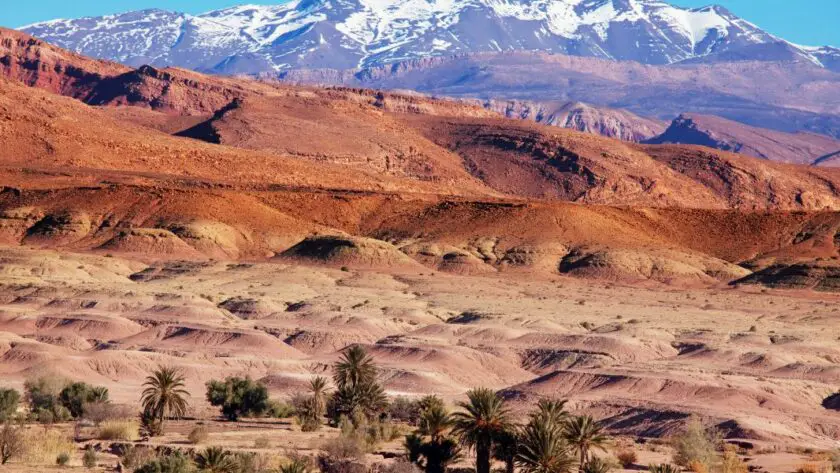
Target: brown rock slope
x=727 y=135
x=442 y=182
x=612 y=123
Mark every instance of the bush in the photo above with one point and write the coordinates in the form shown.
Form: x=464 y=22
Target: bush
x=99 y=412
x=262 y=443
x=238 y=397
x=296 y=464
x=125 y=430
x=696 y=445
x=62 y=459
x=75 y=396
x=12 y=443
x=814 y=467
x=403 y=409
x=198 y=435
x=731 y=463
x=280 y=410
x=663 y=468
x=9 y=401
x=248 y=462
x=136 y=456
x=627 y=457
x=175 y=462
x=42 y=394
x=342 y=455
x=89 y=458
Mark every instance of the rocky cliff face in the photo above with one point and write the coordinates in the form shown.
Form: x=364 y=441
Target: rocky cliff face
x=612 y=123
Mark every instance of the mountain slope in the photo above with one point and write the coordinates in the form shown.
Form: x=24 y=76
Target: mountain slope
x=727 y=135
x=784 y=96
x=579 y=116
x=276 y=134
x=344 y=34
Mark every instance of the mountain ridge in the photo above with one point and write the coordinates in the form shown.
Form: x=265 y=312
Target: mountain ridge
x=346 y=34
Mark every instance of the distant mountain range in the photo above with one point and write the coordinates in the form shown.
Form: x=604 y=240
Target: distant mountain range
x=347 y=34
x=620 y=68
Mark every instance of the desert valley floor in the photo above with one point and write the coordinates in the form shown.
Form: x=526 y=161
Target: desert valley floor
x=642 y=357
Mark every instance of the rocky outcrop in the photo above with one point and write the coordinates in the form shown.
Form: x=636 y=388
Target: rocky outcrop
x=728 y=135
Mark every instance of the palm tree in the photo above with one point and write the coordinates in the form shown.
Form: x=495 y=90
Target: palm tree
x=543 y=449
x=507 y=445
x=355 y=368
x=318 y=386
x=483 y=421
x=435 y=422
x=164 y=394
x=584 y=434
x=98 y=394
x=216 y=460
x=552 y=410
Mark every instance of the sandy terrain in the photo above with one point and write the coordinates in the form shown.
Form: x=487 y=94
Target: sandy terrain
x=756 y=362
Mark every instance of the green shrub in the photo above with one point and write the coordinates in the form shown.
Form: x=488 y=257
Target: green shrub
x=280 y=410
x=175 y=462
x=75 y=396
x=42 y=393
x=9 y=401
x=89 y=458
x=238 y=397
x=62 y=459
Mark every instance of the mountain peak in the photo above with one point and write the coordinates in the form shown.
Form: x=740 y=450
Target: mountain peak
x=346 y=34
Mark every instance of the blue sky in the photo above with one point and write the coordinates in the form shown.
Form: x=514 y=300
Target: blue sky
x=811 y=22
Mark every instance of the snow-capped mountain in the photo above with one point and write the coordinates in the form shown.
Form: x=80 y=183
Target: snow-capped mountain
x=346 y=34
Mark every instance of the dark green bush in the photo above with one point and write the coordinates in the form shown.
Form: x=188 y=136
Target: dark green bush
x=75 y=396
x=9 y=401
x=175 y=462
x=238 y=397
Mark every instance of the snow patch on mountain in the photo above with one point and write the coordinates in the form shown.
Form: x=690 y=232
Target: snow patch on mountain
x=360 y=33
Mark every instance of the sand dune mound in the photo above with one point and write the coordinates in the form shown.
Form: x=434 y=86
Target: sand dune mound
x=447 y=258
x=538 y=258
x=195 y=338
x=817 y=275
x=249 y=308
x=150 y=242
x=71 y=342
x=547 y=349
x=349 y=251
x=24 y=265
x=214 y=239
x=62 y=228
x=465 y=367
x=88 y=326
x=654 y=264
x=314 y=341
x=18 y=354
